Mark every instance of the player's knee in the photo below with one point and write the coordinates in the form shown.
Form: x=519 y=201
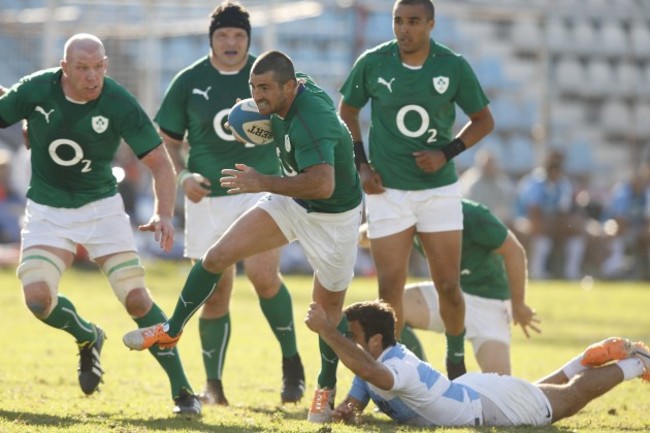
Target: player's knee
x=126 y=275
x=40 y=302
x=40 y=272
x=138 y=302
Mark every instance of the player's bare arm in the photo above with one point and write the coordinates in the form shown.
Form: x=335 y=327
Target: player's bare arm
x=193 y=184
x=359 y=361
x=161 y=224
x=479 y=125
x=514 y=259
x=315 y=182
x=370 y=179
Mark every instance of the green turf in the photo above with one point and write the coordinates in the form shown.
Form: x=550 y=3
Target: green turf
x=39 y=390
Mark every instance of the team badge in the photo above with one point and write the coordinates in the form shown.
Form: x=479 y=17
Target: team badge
x=100 y=124
x=441 y=84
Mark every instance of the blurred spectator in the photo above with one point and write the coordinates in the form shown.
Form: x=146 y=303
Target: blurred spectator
x=486 y=183
x=628 y=221
x=12 y=206
x=545 y=201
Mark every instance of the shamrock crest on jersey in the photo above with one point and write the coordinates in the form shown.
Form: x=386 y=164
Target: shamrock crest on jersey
x=100 y=124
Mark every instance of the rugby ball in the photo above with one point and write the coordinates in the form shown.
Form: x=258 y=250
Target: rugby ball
x=248 y=125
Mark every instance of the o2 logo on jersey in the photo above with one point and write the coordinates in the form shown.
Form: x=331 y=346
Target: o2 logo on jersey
x=217 y=124
x=424 y=123
x=77 y=154
x=286 y=168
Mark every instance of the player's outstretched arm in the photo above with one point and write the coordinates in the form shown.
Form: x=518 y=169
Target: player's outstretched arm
x=359 y=361
x=514 y=259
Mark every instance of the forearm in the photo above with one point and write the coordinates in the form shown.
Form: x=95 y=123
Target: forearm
x=479 y=125
x=314 y=183
x=174 y=148
x=357 y=360
x=164 y=181
x=515 y=263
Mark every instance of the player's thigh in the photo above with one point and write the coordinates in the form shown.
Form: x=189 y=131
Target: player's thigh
x=494 y=357
x=253 y=233
x=416 y=308
x=442 y=250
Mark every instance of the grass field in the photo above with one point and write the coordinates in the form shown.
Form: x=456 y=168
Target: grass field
x=39 y=390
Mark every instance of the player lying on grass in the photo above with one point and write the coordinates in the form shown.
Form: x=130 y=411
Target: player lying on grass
x=410 y=391
x=493 y=280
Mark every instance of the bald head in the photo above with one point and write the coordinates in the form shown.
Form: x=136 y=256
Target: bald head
x=84 y=65
x=84 y=42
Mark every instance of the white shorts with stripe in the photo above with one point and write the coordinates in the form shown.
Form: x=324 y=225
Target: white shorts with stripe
x=208 y=219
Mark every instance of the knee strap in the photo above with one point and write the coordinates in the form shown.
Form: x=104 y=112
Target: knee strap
x=125 y=273
x=38 y=265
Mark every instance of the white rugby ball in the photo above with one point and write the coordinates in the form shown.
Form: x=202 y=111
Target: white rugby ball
x=248 y=125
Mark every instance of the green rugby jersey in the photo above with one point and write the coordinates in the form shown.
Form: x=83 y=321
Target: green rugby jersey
x=411 y=109
x=482 y=271
x=73 y=144
x=198 y=101
x=312 y=133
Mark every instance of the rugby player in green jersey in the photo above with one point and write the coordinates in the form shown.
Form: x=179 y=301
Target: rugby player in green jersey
x=493 y=279
x=316 y=201
x=197 y=103
x=77 y=117
x=409 y=177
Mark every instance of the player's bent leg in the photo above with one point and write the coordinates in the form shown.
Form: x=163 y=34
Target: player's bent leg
x=416 y=308
x=40 y=271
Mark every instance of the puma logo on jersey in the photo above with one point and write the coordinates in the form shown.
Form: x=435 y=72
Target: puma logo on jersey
x=203 y=93
x=388 y=84
x=465 y=272
x=44 y=113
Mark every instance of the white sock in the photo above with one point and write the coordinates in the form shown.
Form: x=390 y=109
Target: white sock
x=631 y=367
x=573 y=367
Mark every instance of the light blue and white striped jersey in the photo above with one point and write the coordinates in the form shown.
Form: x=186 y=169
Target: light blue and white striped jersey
x=420 y=394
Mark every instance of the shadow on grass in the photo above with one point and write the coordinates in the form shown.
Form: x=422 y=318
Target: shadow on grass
x=110 y=422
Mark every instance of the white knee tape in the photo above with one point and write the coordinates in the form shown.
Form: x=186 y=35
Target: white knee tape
x=38 y=265
x=125 y=273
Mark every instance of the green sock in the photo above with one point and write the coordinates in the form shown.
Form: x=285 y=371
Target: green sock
x=64 y=316
x=329 y=360
x=455 y=347
x=169 y=359
x=412 y=342
x=279 y=313
x=215 y=335
x=198 y=287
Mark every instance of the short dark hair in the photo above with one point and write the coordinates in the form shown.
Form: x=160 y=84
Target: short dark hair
x=375 y=317
x=428 y=4
x=278 y=63
x=230 y=14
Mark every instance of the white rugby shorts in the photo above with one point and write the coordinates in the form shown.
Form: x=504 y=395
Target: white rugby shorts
x=520 y=401
x=329 y=239
x=485 y=319
x=208 y=219
x=429 y=210
x=102 y=227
